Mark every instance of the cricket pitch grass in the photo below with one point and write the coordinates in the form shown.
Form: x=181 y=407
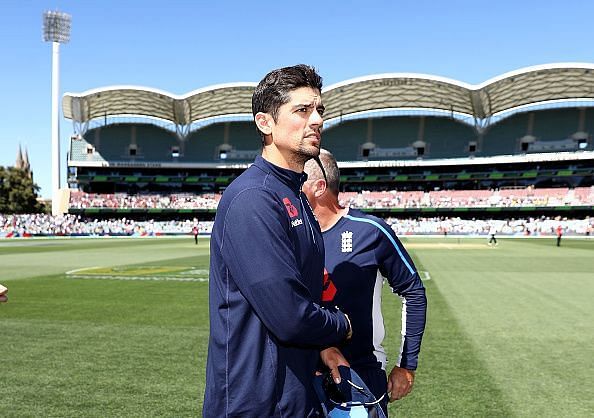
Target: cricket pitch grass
x=119 y=327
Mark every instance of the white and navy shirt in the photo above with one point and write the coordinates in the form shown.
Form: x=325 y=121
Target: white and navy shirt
x=362 y=250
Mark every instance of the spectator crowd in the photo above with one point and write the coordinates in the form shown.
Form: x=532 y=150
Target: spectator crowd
x=580 y=196
x=74 y=225
x=81 y=200
x=508 y=198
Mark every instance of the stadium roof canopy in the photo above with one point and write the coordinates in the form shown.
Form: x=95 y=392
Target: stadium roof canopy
x=527 y=86
x=222 y=99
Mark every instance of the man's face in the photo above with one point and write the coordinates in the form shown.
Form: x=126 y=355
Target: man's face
x=297 y=131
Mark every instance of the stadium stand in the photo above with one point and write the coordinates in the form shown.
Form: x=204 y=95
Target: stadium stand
x=345 y=139
x=540 y=131
x=408 y=145
x=233 y=142
x=448 y=202
x=448 y=138
x=132 y=142
x=81 y=200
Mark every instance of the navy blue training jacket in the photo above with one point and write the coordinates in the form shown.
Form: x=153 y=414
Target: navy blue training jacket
x=362 y=250
x=265 y=287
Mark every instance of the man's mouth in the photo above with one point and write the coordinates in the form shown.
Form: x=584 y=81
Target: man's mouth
x=315 y=136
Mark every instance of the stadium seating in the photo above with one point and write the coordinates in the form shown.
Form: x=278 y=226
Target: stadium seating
x=152 y=181
x=155 y=144
x=365 y=200
x=447 y=138
x=550 y=126
x=395 y=132
x=82 y=150
x=555 y=125
x=502 y=137
x=114 y=143
x=203 y=145
x=12 y=226
x=81 y=200
x=344 y=139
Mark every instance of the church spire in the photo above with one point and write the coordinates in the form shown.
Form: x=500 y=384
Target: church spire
x=19 y=159
x=26 y=163
x=22 y=161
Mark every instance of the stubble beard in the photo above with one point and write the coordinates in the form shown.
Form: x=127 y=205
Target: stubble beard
x=306 y=152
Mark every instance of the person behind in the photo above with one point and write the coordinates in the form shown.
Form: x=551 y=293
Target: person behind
x=559 y=235
x=266 y=267
x=492 y=232
x=361 y=250
x=195 y=233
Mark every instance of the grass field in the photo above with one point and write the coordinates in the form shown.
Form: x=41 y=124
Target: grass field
x=119 y=327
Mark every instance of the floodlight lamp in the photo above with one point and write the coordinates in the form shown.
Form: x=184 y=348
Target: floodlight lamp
x=56 y=27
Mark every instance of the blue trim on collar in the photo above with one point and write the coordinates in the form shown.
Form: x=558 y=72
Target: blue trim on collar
x=381 y=228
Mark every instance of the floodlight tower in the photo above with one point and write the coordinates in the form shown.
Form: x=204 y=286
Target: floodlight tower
x=56 y=29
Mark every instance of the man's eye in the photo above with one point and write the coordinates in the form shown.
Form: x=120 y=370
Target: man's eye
x=321 y=111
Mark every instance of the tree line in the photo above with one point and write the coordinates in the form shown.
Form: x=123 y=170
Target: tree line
x=18 y=192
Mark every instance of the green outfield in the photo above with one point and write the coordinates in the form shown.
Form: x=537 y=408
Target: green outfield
x=119 y=327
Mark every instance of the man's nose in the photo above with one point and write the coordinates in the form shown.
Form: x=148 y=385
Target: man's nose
x=316 y=118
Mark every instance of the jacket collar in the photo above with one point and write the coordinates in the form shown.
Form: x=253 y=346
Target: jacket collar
x=289 y=177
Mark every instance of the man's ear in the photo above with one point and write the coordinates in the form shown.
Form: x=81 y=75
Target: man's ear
x=263 y=122
x=320 y=187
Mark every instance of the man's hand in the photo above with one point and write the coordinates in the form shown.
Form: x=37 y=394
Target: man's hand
x=400 y=383
x=332 y=358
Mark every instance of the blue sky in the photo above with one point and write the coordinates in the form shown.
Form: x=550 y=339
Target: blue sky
x=179 y=46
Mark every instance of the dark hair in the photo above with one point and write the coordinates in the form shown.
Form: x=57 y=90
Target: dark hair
x=273 y=91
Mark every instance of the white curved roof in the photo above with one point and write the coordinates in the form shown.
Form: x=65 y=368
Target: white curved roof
x=543 y=83
x=397 y=90
x=199 y=104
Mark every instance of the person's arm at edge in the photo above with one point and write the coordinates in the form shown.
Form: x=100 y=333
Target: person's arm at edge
x=404 y=280
x=3 y=294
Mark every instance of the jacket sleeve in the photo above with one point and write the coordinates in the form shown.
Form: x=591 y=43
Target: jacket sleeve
x=260 y=256
x=397 y=266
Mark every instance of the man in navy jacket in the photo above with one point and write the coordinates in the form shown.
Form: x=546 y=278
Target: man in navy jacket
x=266 y=267
x=361 y=250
